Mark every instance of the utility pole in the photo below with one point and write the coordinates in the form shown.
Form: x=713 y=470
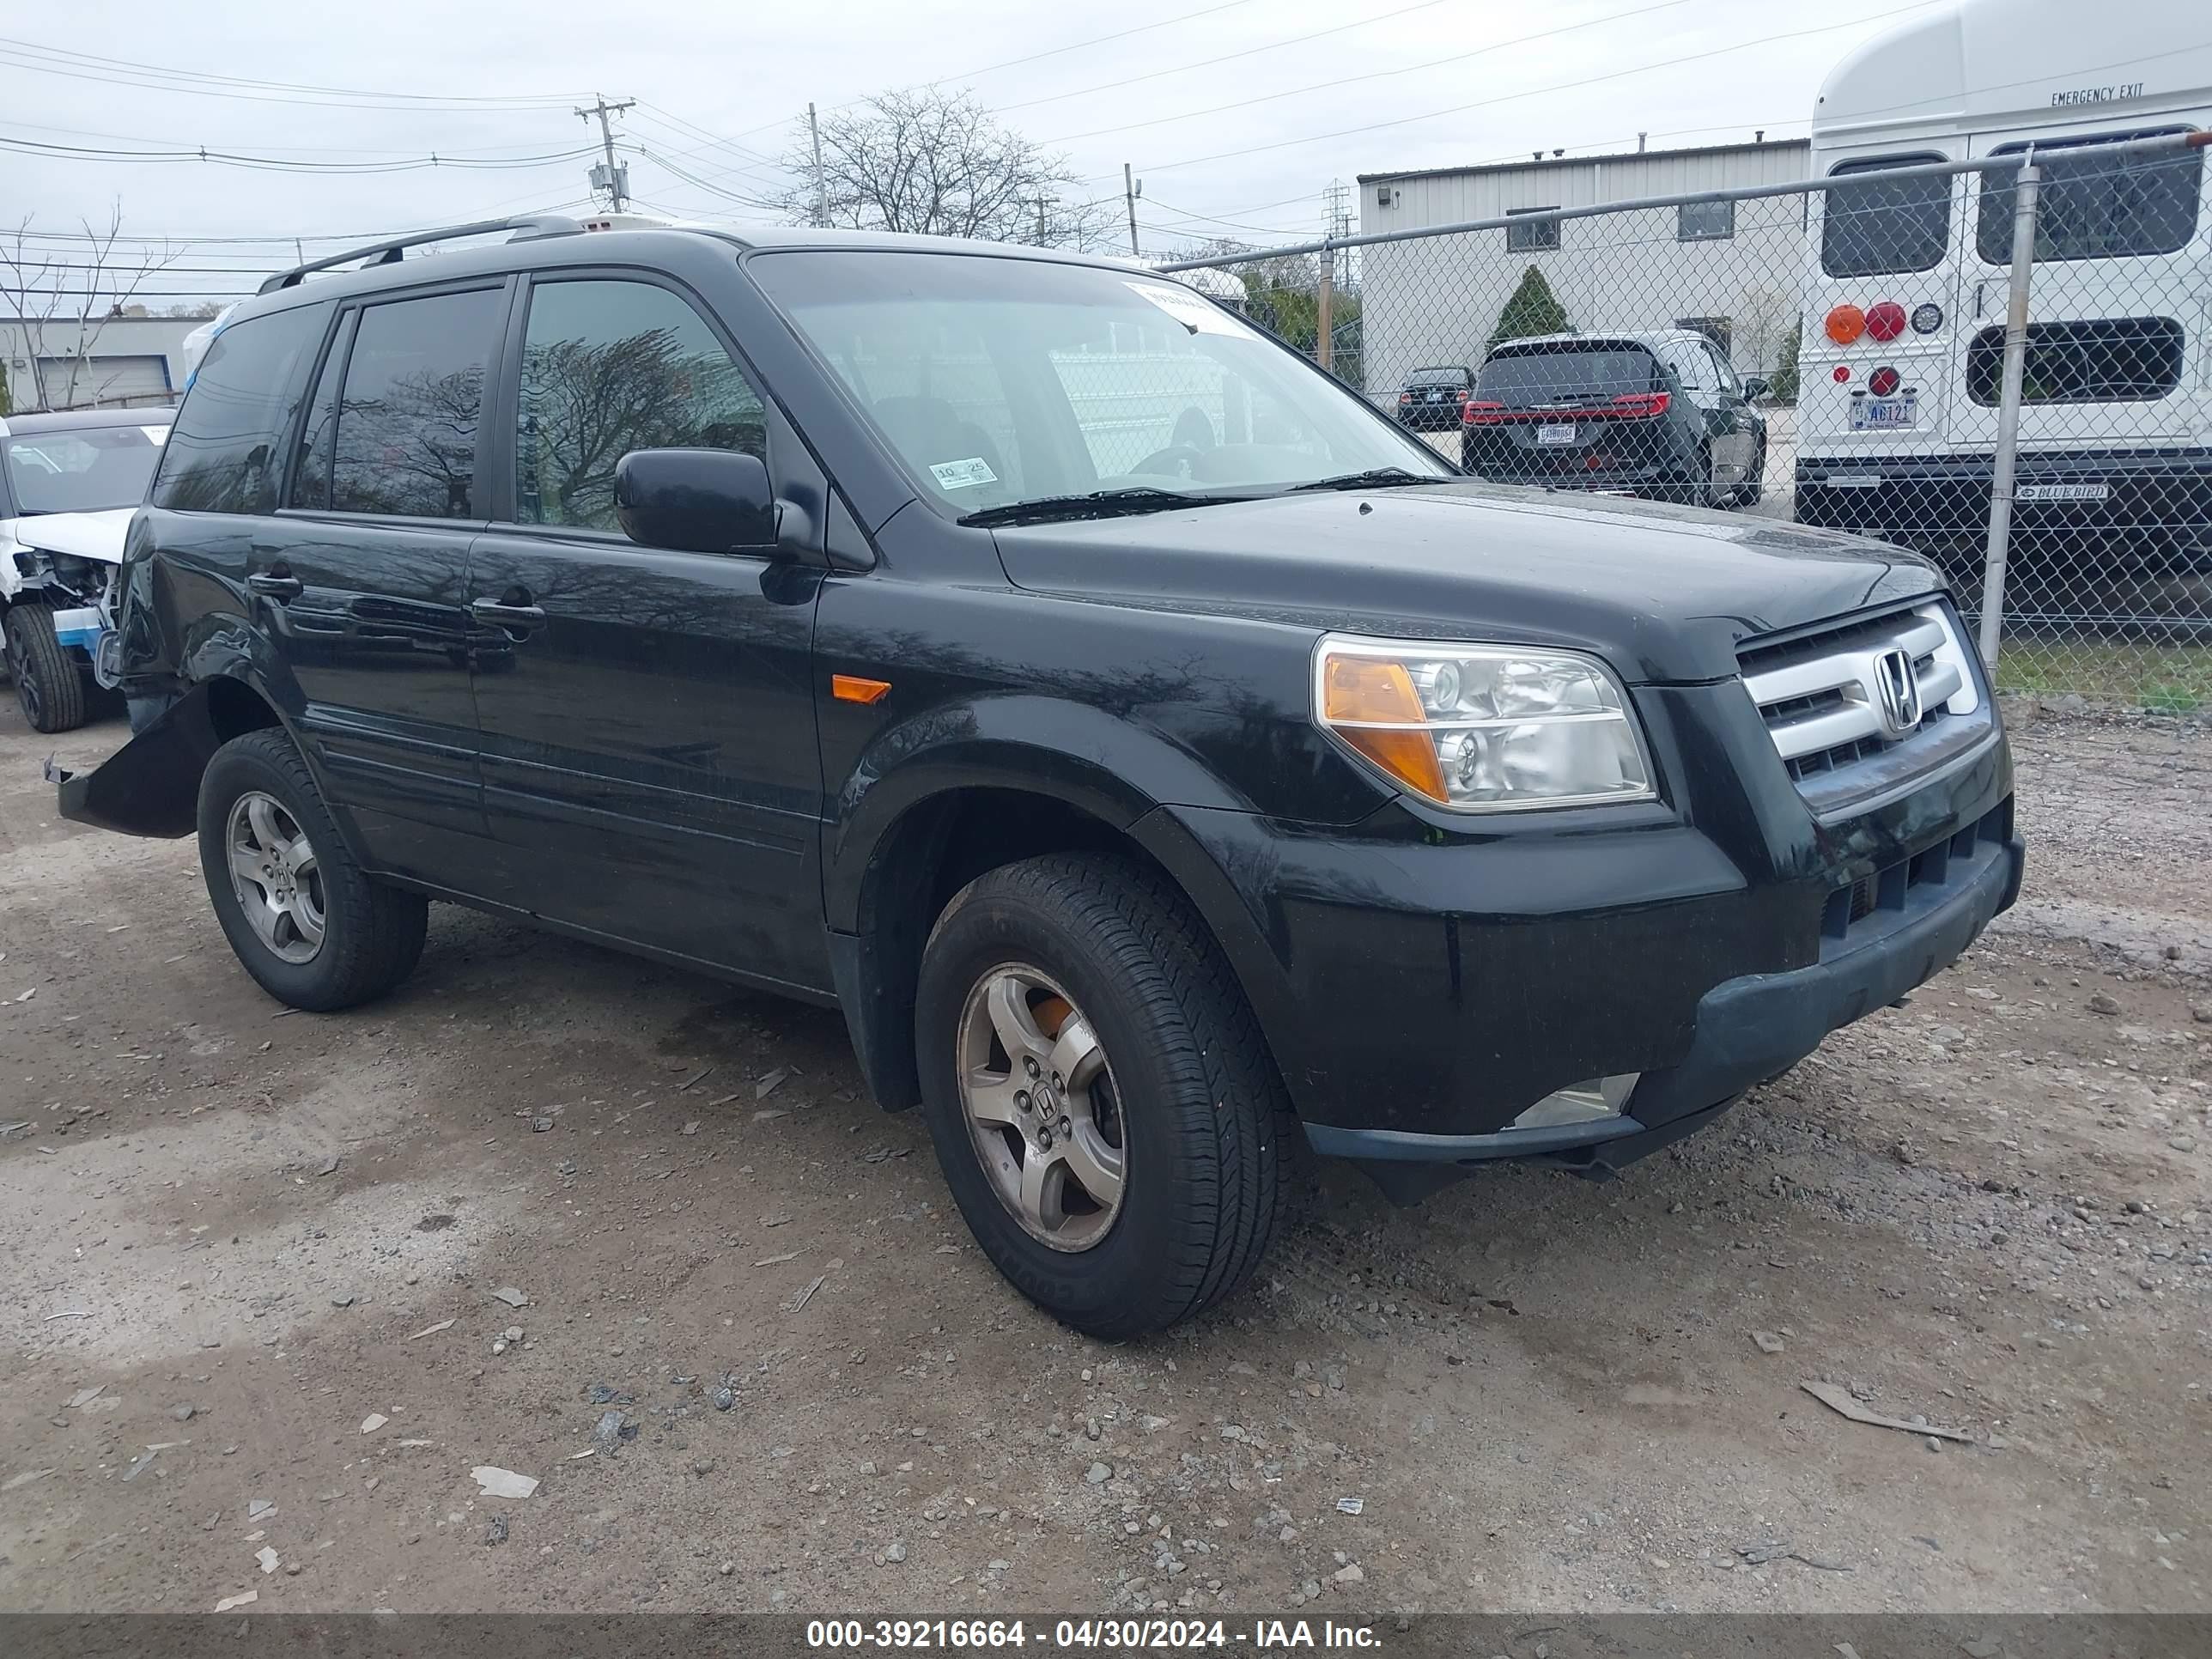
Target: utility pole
x=613 y=178
x=1131 y=190
x=1041 y=202
x=821 y=194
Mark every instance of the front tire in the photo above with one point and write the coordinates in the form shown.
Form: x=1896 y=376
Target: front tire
x=304 y=919
x=1104 y=1107
x=49 y=686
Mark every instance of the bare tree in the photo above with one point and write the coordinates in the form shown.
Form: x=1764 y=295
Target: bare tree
x=937 y=163
x=60 y=306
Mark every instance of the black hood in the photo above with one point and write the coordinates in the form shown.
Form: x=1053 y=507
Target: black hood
x=1664 y=594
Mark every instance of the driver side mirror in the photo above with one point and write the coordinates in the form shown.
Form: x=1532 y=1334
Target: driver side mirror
x=1755 y=387
x=695 y=501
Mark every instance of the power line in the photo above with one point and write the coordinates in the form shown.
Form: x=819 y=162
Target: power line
x=1377 y=74
x=1534 y=92
x=87 y=66
x=495 y=150
x=277 y=164
x=1225 y=58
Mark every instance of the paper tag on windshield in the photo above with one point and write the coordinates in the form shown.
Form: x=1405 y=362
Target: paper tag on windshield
x=963 y=475
x=1195 y=312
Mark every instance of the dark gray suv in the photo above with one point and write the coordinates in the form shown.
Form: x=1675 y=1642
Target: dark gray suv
x=1662 y=414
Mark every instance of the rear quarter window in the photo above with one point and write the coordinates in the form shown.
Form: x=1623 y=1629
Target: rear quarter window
x=225 y=453
x=1884 y=226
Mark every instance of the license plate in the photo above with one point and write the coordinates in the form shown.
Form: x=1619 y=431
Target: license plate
x=2097 y=491
x=1884 y=414
x=1556 y=432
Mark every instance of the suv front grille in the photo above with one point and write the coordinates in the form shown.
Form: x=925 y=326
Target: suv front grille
x=1860 y=707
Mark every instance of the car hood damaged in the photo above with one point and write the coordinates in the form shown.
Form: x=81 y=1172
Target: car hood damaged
x=1660 y=591
x=96 y=536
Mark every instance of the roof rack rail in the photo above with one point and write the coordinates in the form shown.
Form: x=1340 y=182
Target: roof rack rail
x=387 y=251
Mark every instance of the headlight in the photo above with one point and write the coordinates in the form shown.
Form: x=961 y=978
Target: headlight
x=1482 y=727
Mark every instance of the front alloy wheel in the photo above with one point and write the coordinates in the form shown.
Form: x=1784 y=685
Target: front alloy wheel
x=277 y=877
x=1041 y=1107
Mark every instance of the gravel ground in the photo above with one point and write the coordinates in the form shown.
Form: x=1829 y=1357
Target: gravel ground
x=274 y=1286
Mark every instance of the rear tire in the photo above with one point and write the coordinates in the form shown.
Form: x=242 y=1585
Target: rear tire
x=1198 y=1144
x=1752 y=489
x=322 y=935
x=49 y=685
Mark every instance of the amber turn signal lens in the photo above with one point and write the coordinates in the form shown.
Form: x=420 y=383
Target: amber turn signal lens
x=1368 y=703
x=1845 y=324
x=851 y=688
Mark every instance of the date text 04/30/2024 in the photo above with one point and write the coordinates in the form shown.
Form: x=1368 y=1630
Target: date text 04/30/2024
x=1109 y=1635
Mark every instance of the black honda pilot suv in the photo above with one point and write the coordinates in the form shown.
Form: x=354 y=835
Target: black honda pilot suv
x=1157 y=755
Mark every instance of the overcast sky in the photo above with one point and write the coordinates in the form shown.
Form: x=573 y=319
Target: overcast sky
x=1321 y=92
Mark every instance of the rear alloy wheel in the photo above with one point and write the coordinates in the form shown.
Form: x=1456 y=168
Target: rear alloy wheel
x=49 y=686
x=1105 y=1111
x=304 y=919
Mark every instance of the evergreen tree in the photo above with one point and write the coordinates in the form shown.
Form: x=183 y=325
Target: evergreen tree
x=1534 y=309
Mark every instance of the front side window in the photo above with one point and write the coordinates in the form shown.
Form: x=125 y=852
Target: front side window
x=2095 y=207
x=998 y=382
x=224 y=451
x=81 y=470
x=1704 y=222
x=406 y=442
x=1884 y=226
x=1533 y=237
x=608 y=368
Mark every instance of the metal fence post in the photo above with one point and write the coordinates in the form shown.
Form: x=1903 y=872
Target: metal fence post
x=2015 y=359
x=1324 y=323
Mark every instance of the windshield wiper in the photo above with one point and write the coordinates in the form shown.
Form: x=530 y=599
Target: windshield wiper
x=1096 y=504
x=1376 y=478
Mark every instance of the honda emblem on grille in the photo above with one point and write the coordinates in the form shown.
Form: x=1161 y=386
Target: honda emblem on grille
x=1896 y=693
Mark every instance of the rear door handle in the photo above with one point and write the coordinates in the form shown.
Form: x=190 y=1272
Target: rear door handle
x=276 y=585
x=507 y=615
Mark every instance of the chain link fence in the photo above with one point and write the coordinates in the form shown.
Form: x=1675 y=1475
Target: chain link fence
x=2002 y=364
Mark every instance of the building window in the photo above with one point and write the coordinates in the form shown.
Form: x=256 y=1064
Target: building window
x=1704 y=222
x=1536 y=236
x=1715 y=329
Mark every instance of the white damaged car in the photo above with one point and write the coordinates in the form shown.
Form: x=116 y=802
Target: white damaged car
x=69 y=483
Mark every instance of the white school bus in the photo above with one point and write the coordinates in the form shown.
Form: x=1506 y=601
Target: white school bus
x=1907 y=282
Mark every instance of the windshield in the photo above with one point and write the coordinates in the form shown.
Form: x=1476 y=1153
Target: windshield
x=82 y=469
x=1001 y=380
x=1545 y=375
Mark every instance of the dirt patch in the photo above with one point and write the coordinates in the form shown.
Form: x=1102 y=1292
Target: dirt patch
x=256 y=1235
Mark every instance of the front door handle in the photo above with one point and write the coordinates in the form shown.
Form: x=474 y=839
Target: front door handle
x=276 y=584
x=507 y=615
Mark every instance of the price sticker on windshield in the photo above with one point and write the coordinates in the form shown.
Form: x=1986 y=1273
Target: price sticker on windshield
x=1193 y=311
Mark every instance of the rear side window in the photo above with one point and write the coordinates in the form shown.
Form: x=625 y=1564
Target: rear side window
x=225 y=450
x=608 y=368
x=1574 y=371
x=2096 y=207
x=1884 y=226
x=406 y=443
x=2112 y=361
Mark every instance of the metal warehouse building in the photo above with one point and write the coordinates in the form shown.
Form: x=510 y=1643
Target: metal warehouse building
x=63 y=362
x=1731 y=269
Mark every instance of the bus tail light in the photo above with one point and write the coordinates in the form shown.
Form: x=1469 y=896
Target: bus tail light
x=1845 y=324
x=1884 y=380
x=1884 y=321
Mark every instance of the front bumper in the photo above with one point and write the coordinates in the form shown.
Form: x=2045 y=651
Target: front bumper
x=1748 y=1030
x=1423 y=983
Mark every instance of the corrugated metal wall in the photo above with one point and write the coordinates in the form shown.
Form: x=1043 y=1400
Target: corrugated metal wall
x=1434 y=302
